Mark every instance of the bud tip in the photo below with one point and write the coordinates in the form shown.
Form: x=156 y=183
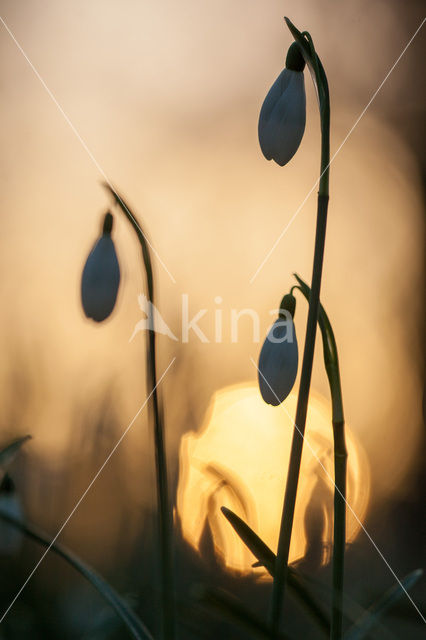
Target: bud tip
x=107 y=224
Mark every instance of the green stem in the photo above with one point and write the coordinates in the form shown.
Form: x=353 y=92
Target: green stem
x=287 y=516
x=323 y=189
x=331 y=361
x=339 y=534
x=278 y=591
x=122 y=609
x=165 y=517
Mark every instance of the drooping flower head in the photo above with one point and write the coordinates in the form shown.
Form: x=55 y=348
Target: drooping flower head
x=283 y=114
x=278 y=360
x=101 y=276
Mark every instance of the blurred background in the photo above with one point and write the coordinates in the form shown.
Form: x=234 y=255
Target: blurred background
x=166 y=98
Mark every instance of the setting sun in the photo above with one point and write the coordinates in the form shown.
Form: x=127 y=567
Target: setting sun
x=213 y=247
x=239 y=459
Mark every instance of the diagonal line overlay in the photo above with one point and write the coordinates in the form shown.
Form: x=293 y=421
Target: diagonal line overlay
x=139 y=411
x=82 y=142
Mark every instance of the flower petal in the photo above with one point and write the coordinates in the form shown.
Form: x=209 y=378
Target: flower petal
x=282 y=117
x=289 y=119
x=278 y=362
x=100 y=280
x=273 y=96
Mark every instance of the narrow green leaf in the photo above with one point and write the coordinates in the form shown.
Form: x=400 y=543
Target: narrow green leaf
x=9 y=452
x=133 y=623
x=371 y=617
x=267 y=558
x=259 y=549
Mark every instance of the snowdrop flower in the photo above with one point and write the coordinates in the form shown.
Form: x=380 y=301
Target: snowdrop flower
x=283 y=114
x=278 y=360
x=101 y=276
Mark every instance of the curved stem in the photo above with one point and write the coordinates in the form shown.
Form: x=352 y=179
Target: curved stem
x=331 y=361
x=122 y=609
x=164 y=511
x=339 y=529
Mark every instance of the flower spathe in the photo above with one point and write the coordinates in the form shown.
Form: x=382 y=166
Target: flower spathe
x=283 y=114
x=101 y=276
x=278 y=361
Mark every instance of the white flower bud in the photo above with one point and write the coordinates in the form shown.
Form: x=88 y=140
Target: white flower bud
x=282 y=117
x=278 y=360
x=101 y=277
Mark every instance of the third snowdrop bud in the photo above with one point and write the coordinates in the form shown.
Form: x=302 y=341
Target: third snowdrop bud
x=283 y=114
x=278 y=360
x=101 y=276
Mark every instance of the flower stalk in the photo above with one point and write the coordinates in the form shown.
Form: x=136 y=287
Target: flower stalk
x=339 y=535
x=164 y=511
x=331 y=361
x=320 y=81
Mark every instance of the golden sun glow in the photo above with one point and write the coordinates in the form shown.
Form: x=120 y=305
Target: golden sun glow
x=239 y=459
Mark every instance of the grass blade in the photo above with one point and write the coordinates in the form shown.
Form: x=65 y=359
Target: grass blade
x=134 y=625
x=259 y=549
x=8 y=453
x=266 y=557
x=377 y=610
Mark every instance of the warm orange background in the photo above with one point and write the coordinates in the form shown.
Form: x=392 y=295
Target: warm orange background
x=166 y=96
